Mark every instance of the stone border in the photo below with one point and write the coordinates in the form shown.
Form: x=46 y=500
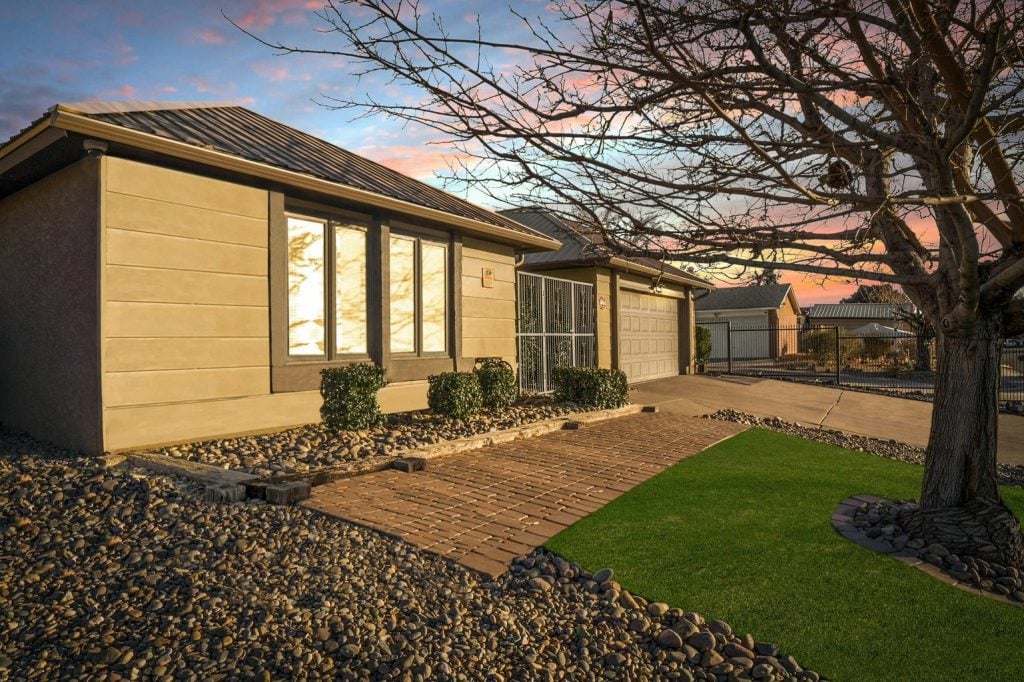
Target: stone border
x=842 y=521
x=256 y=487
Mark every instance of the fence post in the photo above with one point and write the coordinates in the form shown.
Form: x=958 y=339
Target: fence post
x=839 y=379
x=728 y=343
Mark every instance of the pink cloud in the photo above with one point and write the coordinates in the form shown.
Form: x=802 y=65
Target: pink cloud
x=211 y=36
x=416 y=162
x=124 y=92
x=264 y=13
x=275 y=73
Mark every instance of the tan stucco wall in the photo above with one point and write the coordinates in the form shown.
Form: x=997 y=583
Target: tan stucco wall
x=186 y=330
x=49 y=312
x=488 y=313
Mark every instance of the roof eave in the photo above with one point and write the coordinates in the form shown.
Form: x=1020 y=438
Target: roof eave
x=629 y=266
x=66 y=118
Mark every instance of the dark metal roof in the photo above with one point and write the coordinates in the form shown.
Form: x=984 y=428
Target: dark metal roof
x=745 y=298
x=243 y=133
x=579 y=246
x=857 y=311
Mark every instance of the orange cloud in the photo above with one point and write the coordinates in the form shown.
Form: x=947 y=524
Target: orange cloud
x=275 y=73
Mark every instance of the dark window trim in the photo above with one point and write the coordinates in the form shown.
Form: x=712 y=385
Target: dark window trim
x=289 y=374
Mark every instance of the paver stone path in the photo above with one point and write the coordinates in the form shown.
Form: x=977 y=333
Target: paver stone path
x=485 y=507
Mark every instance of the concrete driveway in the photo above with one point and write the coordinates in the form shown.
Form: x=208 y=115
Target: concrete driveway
x=867 y=414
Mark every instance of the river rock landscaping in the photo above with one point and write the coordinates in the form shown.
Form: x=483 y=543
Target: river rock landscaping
x=313 y=446
x=884 y=522
x=111 y=573
x=890 y=449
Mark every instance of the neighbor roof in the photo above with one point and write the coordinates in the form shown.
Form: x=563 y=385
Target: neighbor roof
x=581 y=246
x=755 y=297
x=224 y=133
x=856 y=311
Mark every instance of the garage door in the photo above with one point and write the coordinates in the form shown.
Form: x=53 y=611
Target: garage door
x=648 y=336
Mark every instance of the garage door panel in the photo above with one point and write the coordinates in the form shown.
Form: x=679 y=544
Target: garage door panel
x=648 y=336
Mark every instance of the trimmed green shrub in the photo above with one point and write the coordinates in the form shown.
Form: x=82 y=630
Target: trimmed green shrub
x=590 y=386
x=703 y=345
x=350 y=396
x=498 y=383
x=455 y=394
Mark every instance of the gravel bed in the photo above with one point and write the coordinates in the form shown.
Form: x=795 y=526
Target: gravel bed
x=890 y=449
x=313 y=446
x=113 y=574
x=884 y=522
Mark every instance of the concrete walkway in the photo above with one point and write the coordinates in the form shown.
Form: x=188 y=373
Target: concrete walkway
x=485 y=507
x=867 y=414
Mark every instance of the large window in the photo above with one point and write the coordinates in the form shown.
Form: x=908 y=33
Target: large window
x=419 y=295
x=327 y=313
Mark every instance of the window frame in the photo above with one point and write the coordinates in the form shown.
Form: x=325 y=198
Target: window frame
x=331 y=220
x=302 y=373
x=418 y=236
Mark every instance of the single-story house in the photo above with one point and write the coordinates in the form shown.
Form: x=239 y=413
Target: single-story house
x=643 y=308
x=851 y=316
x=764 y=321
x=181 y=272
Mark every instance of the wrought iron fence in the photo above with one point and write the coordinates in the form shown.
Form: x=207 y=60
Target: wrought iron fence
x=556 y=325
x=883 y=359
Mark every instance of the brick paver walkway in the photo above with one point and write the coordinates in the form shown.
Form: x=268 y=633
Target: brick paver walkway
x=485 y=507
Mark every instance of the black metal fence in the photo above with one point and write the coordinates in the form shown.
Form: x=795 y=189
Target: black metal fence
x=873 y=357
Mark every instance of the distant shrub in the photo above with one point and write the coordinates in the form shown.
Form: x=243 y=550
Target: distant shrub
x=703 y=345
x=455 y=394
x=590 y=386
x=350 y=396
x=820 y=345
x=498 y=384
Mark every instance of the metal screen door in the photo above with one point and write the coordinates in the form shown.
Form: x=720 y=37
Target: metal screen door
x=555 y=328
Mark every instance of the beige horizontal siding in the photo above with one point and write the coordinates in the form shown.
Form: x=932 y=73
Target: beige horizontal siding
x=153 y=425
x=488 y=308
x=177 y=187
x=159 y=285
x=141 y=354
x=170 y=386
x=185 y=303
x=488 y=313
x=141 y=214
x=488 y=251
x=503 y=272
x=181 y=253
x=129 y=319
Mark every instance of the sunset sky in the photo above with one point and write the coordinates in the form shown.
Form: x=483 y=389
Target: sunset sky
x=185 y=50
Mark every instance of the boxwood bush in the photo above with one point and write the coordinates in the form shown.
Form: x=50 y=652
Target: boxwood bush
x=455 y=394
x=590 y=386
x=350 y=396
x=498 y=383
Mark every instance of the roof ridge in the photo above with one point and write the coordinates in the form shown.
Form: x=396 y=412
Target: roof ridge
x=129 y=106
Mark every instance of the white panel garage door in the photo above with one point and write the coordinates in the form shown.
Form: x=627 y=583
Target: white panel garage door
x=648 y=336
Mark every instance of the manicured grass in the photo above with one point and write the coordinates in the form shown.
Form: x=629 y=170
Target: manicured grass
x=742 y=532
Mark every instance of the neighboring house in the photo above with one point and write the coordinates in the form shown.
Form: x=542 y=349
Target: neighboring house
x=644 y=322
x=853 y=316
x=763 y=318
x=181 y=272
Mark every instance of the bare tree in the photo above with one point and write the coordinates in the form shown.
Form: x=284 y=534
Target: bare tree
x=872 y=139
x=764 y=276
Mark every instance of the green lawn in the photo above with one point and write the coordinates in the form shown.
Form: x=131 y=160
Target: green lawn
x=742 y=532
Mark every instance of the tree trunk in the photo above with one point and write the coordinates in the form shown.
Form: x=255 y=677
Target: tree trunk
x=960 y=504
